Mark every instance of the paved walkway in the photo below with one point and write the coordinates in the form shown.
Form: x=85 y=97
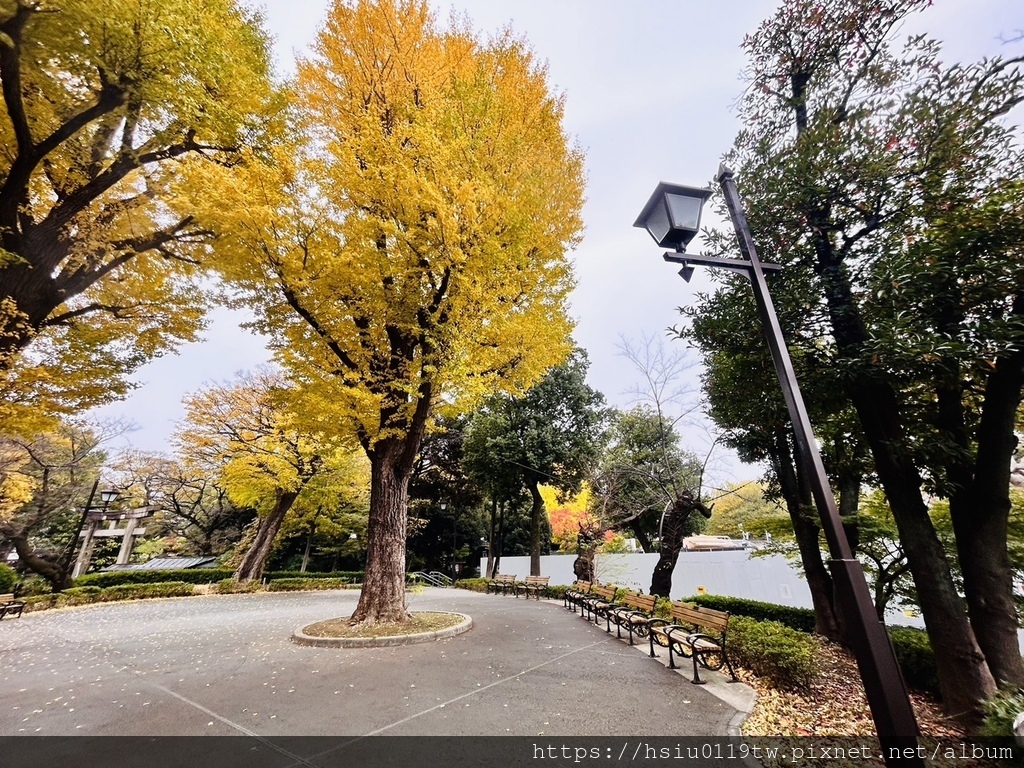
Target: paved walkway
x=224 y=665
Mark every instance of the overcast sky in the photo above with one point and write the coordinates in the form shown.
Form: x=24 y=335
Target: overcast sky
x=650 y=87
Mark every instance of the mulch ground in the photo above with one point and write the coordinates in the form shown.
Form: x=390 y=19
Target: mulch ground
x=836 y=706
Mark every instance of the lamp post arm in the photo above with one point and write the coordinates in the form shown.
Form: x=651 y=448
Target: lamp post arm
x=737 y=265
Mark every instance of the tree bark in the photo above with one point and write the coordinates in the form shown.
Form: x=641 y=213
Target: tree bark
x=980 y=515
x=59 y=578
x=964 y=676
x=673 y=531
x=797 y=497
x=535 y=527
x=382 y=599
x=255 y=560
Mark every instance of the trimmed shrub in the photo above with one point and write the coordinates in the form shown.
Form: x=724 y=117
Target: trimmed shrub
x=39 y=602
x=346 y=576
x=296 y=585
x=8 y=578
x=1000 y=712
x=915 y=657
x=784 y=656
x=187 y=575
x=77 y=596
x=473 y=585
x=33 y=585
x=555 y=591
x=142 y=591
x=231 y=587
x=800 y=619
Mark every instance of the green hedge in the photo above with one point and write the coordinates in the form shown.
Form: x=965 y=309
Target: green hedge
x=188 y=575
x=198 y=576
x=785 y=656
x=473 y=585
x=141 y=591
x=350 y=577
x=8 y=578
x=232 y=587
x=92 y=594
x=295 y=585
x=915 y=657
x=801 y=619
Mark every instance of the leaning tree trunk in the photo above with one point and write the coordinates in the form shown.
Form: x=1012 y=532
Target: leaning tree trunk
x=382 y=599
x=797 y=497
x=673 y=531
x=59 y=578
x=980 y=514
x=255 y=560
x=964 y=676
x=536 y=511
x=965 y=680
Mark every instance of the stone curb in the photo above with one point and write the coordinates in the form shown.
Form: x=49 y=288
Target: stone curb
x=300 y=638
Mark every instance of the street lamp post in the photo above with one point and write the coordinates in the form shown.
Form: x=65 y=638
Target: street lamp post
x=92 y=514
x=672 y=217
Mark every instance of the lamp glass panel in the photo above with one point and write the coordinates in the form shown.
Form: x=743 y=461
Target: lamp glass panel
x=685 y=210
x=108 y=496
x=658 y=223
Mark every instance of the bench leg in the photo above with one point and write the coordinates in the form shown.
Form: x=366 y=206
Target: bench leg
x=651 y=638
x=696 y=675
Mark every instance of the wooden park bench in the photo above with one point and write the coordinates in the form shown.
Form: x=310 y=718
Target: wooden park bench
x=574 y=594
x=10 y=607
x=502 y=582
x=532 y=585
x=633 y=611
x=598 y=601
x=693 y=632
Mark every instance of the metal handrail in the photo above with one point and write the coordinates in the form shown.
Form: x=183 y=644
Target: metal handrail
x=434 y=578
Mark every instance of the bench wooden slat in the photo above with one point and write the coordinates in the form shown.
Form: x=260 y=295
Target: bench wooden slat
x=634 y=611
x=532 y=584
x=694 y=635
x=502 y=581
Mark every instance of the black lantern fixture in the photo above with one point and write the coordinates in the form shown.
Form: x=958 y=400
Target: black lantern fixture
x=672 y=215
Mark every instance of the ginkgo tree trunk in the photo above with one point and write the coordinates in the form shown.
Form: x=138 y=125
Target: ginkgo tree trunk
x=409 y=252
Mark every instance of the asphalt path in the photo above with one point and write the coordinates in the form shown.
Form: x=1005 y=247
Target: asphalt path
x=225 y=665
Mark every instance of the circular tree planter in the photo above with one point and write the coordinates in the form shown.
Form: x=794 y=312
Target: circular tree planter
x=301 y=637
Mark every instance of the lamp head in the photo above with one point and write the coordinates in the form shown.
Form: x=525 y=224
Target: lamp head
x=672 y=214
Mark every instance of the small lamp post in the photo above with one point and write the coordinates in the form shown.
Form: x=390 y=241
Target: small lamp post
x=91 y=514
x=672 y=217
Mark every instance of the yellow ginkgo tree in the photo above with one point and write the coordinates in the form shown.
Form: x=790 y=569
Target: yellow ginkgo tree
x=247 y=434
x=104 y=102
x=410 y=252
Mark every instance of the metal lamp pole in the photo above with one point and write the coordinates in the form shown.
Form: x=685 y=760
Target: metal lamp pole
x=887 y=696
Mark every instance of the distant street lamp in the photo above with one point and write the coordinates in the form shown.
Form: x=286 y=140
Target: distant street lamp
x=93 y=514
x=672 y=217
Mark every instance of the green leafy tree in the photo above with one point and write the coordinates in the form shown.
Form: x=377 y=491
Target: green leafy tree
x=551 y=435
x=744 y=508
x=888 y=184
